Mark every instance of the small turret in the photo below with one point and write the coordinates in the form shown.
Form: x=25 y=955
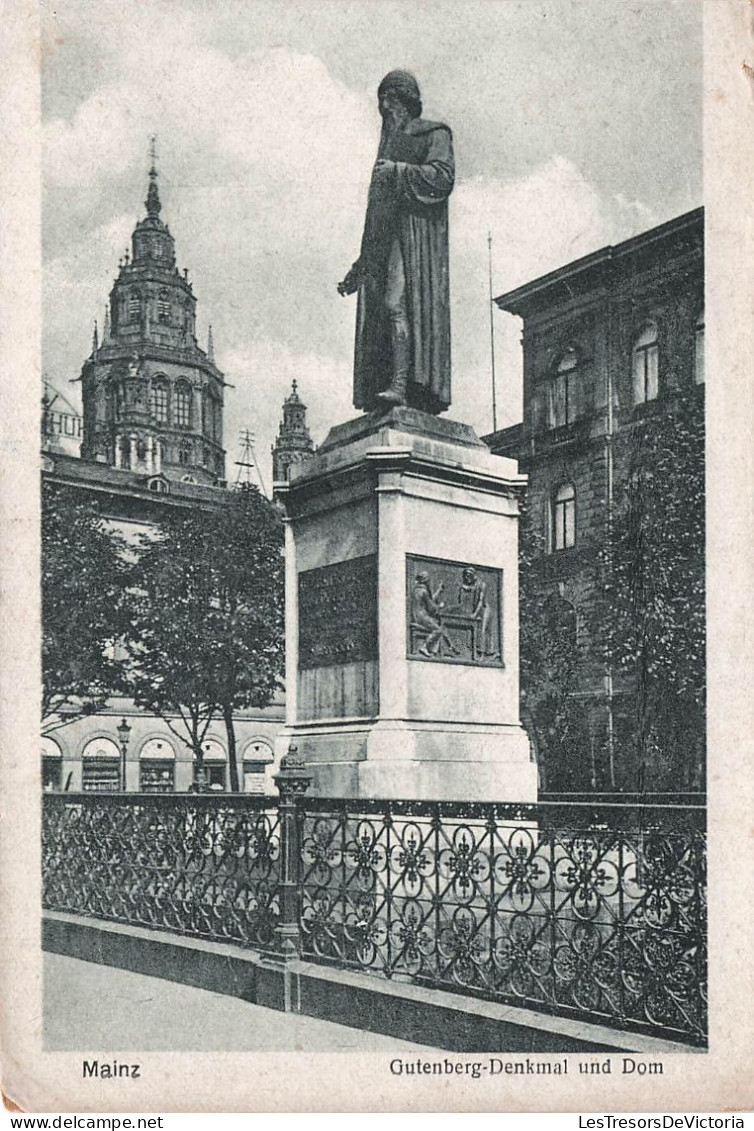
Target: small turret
x=293 y=443
x=151 y=241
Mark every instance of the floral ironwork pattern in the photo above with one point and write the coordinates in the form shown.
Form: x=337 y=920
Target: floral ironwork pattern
x=598 y=915
x=199 y=865
x=592 y=912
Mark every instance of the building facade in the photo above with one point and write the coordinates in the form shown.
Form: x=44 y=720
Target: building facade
x=62 y=425
x=88 y=753
x=613 y=356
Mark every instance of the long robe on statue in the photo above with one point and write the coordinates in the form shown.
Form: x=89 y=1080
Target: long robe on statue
x=410 y=207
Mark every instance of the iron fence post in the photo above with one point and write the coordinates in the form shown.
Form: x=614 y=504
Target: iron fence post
x=292 y=782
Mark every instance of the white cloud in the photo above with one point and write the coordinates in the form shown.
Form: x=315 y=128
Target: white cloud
x=538 y=223
x=265 y=161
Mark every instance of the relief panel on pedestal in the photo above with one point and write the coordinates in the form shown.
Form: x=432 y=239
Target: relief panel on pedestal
x=453 y=612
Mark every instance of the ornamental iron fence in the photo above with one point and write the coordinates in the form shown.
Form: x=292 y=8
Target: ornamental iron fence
x=593 y=912
x=205 y=866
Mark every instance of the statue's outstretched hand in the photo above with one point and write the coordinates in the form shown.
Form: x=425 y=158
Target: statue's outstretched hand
x=383 y=170
x=352 y=281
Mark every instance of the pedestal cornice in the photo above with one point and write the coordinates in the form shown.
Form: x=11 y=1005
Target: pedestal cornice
x=387 y=460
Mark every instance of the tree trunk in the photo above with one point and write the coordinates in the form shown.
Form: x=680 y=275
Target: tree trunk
x=230 y=729
x=198 y=775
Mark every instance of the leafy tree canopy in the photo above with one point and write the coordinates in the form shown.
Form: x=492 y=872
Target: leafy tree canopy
x=84 y=569
x=647 y=619
x=652 y=614
x=206 y=611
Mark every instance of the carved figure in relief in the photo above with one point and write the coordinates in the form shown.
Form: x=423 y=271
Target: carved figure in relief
x=472 y=602
x=426 y=615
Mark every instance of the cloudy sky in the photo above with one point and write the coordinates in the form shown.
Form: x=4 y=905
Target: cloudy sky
x=577 y=123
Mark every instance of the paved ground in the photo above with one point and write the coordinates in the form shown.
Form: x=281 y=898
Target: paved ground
x=89 y=1007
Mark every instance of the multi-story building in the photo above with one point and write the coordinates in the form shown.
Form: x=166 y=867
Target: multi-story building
x=613 y=350
x=62 y=426
x=152 y=444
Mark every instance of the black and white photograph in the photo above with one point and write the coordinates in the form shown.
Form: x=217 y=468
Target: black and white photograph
x=371 y=446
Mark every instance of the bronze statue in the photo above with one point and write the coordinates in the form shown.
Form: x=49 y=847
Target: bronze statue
x=402 y=353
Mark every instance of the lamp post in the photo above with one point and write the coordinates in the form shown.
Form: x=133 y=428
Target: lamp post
x=124 y=733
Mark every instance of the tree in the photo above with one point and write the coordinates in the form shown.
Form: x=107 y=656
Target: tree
x=247 y=616
x=206 y=635
x=653 y=608
x=166 y=642
x=84 y=568
x=549 y=659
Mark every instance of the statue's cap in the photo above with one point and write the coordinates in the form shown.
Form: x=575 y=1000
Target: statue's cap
x=402 y=82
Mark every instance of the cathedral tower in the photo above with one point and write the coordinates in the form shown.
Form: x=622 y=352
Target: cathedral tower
x=293 y=442
x=153 y=399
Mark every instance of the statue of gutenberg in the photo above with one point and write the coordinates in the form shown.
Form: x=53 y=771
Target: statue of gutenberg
x=402 y=353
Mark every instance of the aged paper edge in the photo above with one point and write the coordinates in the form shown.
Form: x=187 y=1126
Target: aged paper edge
x=720 y=1080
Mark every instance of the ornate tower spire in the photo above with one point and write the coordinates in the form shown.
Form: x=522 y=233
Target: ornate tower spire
x=95 y=338
x=153 y=197
x=162 y=413
x=210 y=344
x=151 y=240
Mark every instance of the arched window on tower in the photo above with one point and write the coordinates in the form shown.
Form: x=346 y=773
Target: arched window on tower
x=645 y=364
x=212 y=417
x=163 y=307
x=134 y=306
x=565 y=391
x=184 y=453
x=116 y=396
x=699 y=350
x=159 y=401
x=564 y=517
x=182 y=405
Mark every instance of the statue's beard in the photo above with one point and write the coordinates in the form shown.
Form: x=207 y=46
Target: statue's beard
x=394 y=118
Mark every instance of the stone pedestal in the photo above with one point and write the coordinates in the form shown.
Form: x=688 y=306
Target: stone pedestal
x=379 y=704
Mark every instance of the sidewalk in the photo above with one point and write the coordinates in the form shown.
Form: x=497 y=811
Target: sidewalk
x=90 y=1008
